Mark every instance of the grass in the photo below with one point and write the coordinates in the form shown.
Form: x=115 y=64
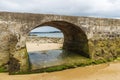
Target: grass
x=118 y=59
x=3 y=70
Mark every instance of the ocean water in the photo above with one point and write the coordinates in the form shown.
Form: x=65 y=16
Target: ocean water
x=58 y=35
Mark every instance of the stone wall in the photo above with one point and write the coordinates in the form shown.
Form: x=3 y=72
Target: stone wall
x=104 y=48
x=96 y=38
x=4 y=47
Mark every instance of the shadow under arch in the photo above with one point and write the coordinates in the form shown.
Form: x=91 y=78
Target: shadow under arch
x=75 y=39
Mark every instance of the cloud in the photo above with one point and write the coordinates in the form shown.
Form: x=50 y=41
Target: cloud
x=101 y=8
x=45 y=29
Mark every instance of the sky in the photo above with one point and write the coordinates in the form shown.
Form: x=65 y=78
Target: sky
x=45 y=29
x=93 y=8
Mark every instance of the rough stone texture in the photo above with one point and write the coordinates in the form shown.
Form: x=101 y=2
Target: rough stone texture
x=97 y=38
x=104 y=49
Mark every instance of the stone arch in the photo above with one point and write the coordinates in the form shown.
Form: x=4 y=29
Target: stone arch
x=75 y=39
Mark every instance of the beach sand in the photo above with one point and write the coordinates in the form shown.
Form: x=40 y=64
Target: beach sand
x=107 y=71
x=31 y=47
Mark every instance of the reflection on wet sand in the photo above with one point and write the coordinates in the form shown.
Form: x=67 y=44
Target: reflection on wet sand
x=43 y=59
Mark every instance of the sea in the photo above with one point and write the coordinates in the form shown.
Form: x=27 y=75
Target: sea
x=47 y=34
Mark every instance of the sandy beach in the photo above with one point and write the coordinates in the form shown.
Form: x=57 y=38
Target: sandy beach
x=109 y=71
x=42 y=46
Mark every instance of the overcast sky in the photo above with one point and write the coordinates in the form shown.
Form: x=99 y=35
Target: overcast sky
x=96 y=8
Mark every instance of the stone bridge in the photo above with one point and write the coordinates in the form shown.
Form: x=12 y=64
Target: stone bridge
x=95 y=38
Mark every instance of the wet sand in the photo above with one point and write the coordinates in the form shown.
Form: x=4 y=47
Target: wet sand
x=109 y=71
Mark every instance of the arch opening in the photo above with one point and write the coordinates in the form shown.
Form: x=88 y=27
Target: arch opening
x=75 y=41
x=44 y=35
x=44 y=46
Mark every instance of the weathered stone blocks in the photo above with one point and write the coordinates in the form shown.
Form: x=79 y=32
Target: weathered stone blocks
x=96 y=38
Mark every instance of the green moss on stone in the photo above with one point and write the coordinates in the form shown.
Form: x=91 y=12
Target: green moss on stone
x=2 y=69
x=106 y=48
